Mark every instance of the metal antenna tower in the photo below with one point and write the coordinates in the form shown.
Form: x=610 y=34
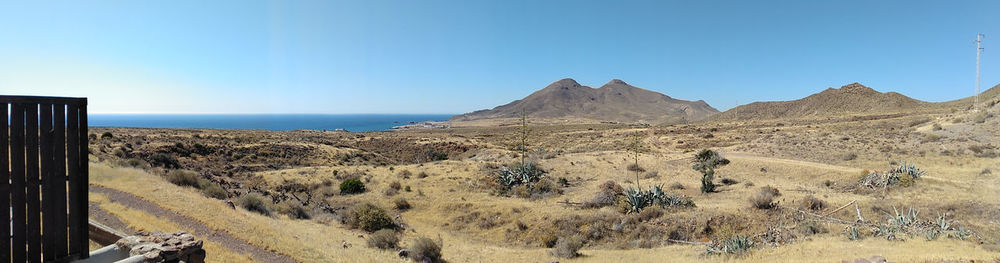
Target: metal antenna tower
x=979 y=52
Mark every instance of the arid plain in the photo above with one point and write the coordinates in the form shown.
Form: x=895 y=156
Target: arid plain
x=441 y=184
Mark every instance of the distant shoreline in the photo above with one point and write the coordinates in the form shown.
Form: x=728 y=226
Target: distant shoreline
x=272 y=122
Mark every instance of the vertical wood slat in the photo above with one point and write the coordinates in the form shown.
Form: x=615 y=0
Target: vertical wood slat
x=34 y=222
x=59 y=182
x=73 y=162
x=4 y=185
x=17 y=182
x=78 y=179
x=48 y=173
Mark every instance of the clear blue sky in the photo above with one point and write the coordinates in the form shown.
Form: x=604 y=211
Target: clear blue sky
x=458 y=56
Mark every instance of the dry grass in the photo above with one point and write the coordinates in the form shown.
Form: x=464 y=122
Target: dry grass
x=305 y=241
x=139 y=220
x=800 y=158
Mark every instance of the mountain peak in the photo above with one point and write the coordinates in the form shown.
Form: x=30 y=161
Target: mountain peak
x=852 y=98
x=566 y=82
x=615 y=101
x=617 y=81
x=856 y=88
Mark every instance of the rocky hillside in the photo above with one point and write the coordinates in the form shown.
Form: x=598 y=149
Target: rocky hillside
x=615 y=101
x=851 y=98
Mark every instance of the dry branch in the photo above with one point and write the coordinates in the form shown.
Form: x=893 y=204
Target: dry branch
x=840 y=208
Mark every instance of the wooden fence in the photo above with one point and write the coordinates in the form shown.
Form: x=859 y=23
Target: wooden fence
x=43 y=181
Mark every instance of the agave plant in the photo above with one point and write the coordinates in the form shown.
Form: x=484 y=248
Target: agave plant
x=942 y=223
x=676 y=201
x=961 y=233
x=875 y=180
x=520 y=174
x=734 y=245
x=638 y=199
x=852 y=233
x=931 y=234
x=908 y=169
x=887 y=231
x=904 y=218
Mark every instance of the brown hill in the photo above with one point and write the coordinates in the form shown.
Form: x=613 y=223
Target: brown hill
x=987 y=97
x=851 y=98
x=615 y=101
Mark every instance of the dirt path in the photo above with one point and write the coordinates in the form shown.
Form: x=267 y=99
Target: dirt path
x=200 y=230
x=793 y=162
x=837 y=167
x=101 y=216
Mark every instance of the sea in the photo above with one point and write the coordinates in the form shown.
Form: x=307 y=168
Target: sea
x=274 y=122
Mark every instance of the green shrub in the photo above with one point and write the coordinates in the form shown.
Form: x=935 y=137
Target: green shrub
x=164 y=159
x=368 y=217
x=212 y=190
x=133 y=162
x=568 y=247
x=384 y=239
x=107 y=135
x=293 y=209
x=254 y=202
x=187 y=178
x=439 y=156
x=705 y=162
x=183 y=178
x=425 y=250
x=352 y=186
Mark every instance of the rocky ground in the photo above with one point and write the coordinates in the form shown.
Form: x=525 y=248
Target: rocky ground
x=447 y=177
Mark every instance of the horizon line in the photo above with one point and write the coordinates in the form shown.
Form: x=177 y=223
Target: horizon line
x=259 y=113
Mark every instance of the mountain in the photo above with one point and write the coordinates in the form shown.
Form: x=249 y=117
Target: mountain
x=851 y=98
x=614 y=101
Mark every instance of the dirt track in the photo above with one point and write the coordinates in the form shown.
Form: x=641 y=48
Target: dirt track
x=832 y=167
x=200 y=230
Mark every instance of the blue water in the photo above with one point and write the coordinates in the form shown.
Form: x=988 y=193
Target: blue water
x=274 y=122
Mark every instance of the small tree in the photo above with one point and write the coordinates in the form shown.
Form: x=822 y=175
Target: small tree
x=705 y=162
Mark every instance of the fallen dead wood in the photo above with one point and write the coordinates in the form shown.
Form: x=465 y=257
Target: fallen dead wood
x=830 y=219
x=567 y=202
x=840 y=208
x=689 y=242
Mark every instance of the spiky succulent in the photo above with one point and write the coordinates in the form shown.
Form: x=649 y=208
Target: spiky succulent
x=638 y=199
x=734 y=245
x=893 y=176
x=519 y=174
